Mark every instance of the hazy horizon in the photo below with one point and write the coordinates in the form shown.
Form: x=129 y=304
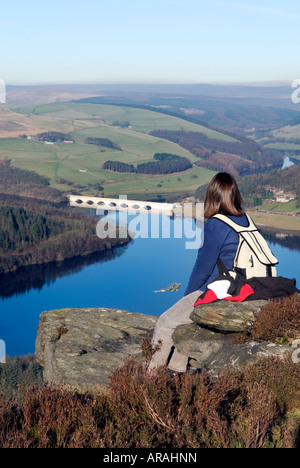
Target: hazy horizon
x=281 y=83
x=149 y=42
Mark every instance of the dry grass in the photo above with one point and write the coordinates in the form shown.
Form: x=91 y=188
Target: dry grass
x=143 y=410
x=278 y=321
x=257 y=407
x=12 y=125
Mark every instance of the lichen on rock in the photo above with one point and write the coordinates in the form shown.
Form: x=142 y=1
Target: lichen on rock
x=82 y=347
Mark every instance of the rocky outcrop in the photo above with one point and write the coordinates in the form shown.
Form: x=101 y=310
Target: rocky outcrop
x=209 y=341
x=227 y=317
x=82 y=347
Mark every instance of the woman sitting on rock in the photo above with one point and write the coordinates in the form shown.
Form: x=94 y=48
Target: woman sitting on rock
x=220 y=241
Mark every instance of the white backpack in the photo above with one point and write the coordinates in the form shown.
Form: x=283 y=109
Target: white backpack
x=253 y=257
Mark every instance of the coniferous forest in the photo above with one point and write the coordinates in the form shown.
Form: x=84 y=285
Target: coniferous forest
x=164 y=163
x=34 y=229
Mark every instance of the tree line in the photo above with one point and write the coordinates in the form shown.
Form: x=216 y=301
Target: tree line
x=37 y=226
x=164 y=163
x=27 y=183
x=118 y=166
x=104 y=142
x=31 y=237
x=121 y=123
x=53 y=137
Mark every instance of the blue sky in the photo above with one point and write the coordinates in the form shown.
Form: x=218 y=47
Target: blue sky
x=149 y=41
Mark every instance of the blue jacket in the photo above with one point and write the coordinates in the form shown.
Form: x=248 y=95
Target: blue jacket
x=220 y=240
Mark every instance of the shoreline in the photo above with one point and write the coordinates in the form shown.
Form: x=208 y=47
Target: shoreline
x=277 y=221
x=288 y=223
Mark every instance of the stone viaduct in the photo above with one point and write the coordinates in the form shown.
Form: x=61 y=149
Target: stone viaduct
x=122 y=204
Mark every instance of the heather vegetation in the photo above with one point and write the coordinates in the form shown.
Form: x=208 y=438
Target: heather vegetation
x=277 y=322
x=256 y=407
x=19 y=372
x=250 y=409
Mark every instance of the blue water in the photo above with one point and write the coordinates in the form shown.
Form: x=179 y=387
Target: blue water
x=127 y=281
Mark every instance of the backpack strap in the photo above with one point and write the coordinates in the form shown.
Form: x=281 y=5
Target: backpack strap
x=222 y=268
x=251 y=235
x=237 y=227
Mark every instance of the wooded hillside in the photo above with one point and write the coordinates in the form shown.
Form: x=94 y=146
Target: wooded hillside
x=258 y=185
x=34 y=230
x=238 y=157
x=27 y=183
x=287 y=180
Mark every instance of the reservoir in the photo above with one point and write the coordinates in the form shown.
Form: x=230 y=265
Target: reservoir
x=125 y=279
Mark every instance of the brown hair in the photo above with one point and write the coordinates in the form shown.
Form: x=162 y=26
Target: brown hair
x=223 y=196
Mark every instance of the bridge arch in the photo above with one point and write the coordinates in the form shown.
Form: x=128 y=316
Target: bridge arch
x=122 y=204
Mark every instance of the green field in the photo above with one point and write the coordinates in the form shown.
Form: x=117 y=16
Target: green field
x=287 y=137
x=141 y=120
x=289 y=132
x=288 y=207
x=291 y=148
x=284 y=146
x=277 y=221
x=80 y=164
